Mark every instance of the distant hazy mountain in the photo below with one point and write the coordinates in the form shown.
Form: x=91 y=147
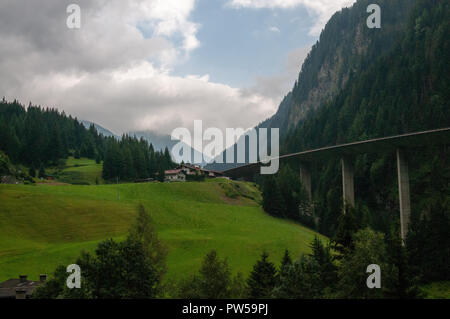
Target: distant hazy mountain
x=160 y=142
x=99 y=128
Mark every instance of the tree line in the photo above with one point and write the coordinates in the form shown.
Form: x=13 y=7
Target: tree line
x=43 y=137
x=131 y=159
x=427 y=246
x=135 y=268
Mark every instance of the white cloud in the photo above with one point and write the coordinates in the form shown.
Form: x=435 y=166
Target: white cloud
x=274 y=29
x=143 y=98
x=321 y=9
x=279 y=84
x=169 y=17
x=113 y=73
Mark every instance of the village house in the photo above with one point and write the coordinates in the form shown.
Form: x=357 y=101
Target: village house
x=20 y=288
x=186 y=172
x=190 y=169
x=175 y=175
x=197 y=170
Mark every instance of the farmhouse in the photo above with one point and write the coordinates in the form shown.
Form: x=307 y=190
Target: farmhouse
x=190 y=169
x=175 y=175
x=20 y=288
x=188 y=172
x=197 y=170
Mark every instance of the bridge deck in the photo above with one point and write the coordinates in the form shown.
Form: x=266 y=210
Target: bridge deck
x=377 y=145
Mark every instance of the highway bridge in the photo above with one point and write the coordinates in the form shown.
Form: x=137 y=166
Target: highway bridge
x=347 y=152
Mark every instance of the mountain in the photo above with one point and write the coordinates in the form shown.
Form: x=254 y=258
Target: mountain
x=346 y=47
x=403 y=88
x=100 y=129
x=402 y=91
x=160 y=142
x=406 y=89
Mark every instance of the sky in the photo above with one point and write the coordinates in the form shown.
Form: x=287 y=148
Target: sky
x=158 y=64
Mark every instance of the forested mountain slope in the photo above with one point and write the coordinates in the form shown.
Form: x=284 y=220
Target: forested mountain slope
x=404 y=91
x=346 y=48
x=39 y=138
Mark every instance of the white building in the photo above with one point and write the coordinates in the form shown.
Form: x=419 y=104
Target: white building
x=175 y=175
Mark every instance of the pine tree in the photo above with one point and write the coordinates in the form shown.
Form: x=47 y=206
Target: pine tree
x=403 y=284
x=262 y=279
x=347 y=227
x=273 y=202
x=301 y=280
x=369 y=248
x=212 y=282
x=32 y=171
x=167 y=159
x=143 y=230
x=42 y=171
x=291 y=191
x=161 y=174
x=98 y=158
x=286 y=261
x=324 y=258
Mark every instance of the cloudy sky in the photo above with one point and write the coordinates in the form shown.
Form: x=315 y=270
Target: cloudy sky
x=158 y=64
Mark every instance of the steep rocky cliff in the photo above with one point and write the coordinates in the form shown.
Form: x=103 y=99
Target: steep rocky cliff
x=346 y=47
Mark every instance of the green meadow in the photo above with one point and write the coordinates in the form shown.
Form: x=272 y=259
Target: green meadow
x=78 y=171
x=42 y=226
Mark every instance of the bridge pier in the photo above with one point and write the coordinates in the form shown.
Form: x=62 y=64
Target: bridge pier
x=305 y=177
x=348 y=186
x=403 y=190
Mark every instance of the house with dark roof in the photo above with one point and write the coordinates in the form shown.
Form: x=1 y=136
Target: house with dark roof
x=175 y=175
x=20 y=288
x=197 y=170
x=188 y=172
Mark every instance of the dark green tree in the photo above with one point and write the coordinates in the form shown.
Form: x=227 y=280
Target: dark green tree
x=273 y=202
x=403 y=284
x=327 y=269
x=301 y=280
x=131 y=269
x=262 y=279
x=42 y=173
x=161 y=174
x=212 y=282
x=369 y=248
x=347 y=226
x=32 y=171
x=143 y=231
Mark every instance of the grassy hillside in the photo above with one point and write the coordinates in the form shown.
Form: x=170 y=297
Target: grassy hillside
x=43 y=225
x=78 y=171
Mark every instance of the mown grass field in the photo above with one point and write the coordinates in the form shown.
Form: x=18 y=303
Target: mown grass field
x=42 y=226
x=79 y=171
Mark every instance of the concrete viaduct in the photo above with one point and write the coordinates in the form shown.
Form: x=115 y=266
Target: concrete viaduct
x=347 y=153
